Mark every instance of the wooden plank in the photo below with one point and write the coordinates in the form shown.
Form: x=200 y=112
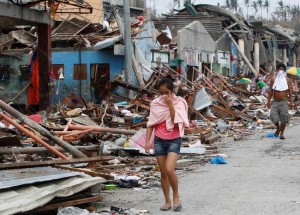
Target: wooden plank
x=198 y=113
x=212 y=139
x=87 y=171
x=53 y=162
x=40 y=150
x=230 y=112
x=146 y=107
x=138 y=125
x=49 y=207
x=133 y=88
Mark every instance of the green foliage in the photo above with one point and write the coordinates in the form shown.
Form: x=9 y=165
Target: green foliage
x=282 y=13
x=254 y=6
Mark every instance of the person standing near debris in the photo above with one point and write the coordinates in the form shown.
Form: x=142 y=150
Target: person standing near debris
x=264 y=88
x=168 y=118
x=281 y=92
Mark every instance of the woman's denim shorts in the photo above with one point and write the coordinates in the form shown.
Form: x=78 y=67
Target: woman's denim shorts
x=163 y=147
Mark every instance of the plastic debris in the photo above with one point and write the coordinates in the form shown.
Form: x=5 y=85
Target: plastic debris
x=218 y=160
x=271 y=135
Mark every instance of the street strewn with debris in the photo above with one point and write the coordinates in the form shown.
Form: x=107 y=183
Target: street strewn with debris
x=77 y=85
x=260 y=171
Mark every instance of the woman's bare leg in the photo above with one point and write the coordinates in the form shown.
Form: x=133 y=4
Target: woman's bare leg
x=165 y=184
x=173 y=180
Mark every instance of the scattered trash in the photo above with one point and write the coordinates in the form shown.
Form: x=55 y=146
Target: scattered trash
x=73 y=211
x=218 y=160
x=110 y=187
x=271 y=135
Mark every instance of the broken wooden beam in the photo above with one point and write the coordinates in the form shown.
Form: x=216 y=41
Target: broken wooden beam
x=54 y=162
x=24 y=119
x=212 y=139
x=78 y=133
x=230 y=112
x=33 y=136
x=198 y=113
x=54 y=206
x=87 y=171
x=103 y=129
x=133 y=88
x=40 y=150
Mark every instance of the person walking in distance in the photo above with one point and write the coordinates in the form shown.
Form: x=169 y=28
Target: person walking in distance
x=281 y=92
x=168 y=118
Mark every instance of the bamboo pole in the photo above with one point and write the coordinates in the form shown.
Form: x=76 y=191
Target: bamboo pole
x=24 y=119
x=37 y=139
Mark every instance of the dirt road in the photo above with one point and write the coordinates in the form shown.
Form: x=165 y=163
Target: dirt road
x=262 y=177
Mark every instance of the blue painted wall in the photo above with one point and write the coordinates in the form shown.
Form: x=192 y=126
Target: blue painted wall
x=69 y=58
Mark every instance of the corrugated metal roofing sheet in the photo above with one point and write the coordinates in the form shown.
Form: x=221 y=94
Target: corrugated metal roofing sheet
x=26 y=176
x=211 y=24
x=30 y=197
x=194 y=36
x=202 y=100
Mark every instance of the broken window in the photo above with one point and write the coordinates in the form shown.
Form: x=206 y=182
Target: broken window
x=25 y=72
x=4 y=73
x=80 y=72
x=160 y=57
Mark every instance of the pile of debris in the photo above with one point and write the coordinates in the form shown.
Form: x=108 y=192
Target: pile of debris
x=105 y=142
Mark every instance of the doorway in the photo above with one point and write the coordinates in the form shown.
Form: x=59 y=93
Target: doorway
x=100 y=76
x=191 y=73
x=205 y=72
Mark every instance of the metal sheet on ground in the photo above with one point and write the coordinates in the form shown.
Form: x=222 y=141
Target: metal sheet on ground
x=29 y=197
x=26 y=176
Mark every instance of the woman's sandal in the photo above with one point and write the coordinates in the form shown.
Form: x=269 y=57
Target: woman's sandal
x=282 y=137
x=165 y=208
x=178 y=208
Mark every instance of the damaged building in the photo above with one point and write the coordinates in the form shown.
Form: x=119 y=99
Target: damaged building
x=249 y=51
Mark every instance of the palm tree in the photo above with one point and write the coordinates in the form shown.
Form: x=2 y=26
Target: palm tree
x=247 y=4
x=254 y=6
x=281 y=7
x=260 y=4
x=293 y=12
x=288 y=12
x=234 y=5
x=276 y=14
x=227 y=4
x=267 y=6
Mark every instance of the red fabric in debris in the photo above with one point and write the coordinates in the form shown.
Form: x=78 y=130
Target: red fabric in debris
x=141 y=19
x=179 y=71
x=36 y=118
x=34 y=88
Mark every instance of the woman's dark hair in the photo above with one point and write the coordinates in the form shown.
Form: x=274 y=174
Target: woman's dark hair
x=168 y=82
x=281 y=65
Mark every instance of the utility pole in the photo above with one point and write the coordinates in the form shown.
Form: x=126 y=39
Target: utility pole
x=128 y=42
x=154 y=9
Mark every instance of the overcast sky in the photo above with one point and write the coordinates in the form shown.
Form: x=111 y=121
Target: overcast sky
x=162 y=5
